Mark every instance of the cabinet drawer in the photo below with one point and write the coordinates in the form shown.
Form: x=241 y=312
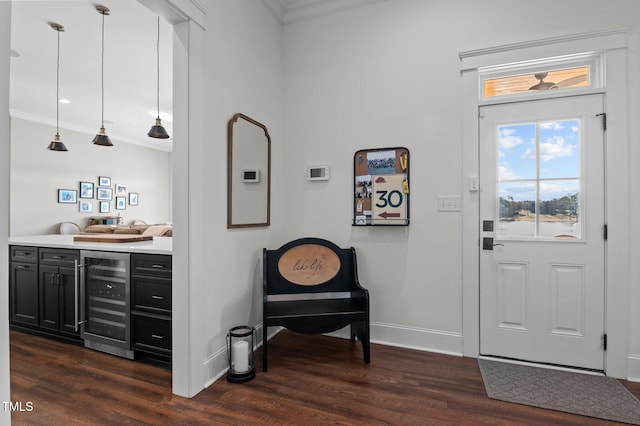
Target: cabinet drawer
x=151 y=264
x=58 y=257
x=151 y=294
x=151 y=333
x=24 y=254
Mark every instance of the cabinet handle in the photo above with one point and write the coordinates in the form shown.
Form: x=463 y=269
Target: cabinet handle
x=23 y=253
x=157 y=297
x=54 y=281
x=57 y=257
x=24 y=266
x=157 y=266
x=157 y=336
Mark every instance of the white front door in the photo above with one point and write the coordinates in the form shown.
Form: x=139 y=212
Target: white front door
x=542 y=231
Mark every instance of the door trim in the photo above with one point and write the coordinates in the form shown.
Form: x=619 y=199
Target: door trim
x=612 y=44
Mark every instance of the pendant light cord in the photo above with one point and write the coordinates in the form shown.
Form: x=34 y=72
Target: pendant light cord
x=158 y=67
x=58 y=86
x=102 y=77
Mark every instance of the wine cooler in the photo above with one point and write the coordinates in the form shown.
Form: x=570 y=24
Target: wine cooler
x=105 y=307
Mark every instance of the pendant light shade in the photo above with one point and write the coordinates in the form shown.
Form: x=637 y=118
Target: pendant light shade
x=56 y=144
x=102 y=138
x=157 y=131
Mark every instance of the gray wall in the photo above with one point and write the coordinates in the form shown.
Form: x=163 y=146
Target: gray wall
x=37 y=174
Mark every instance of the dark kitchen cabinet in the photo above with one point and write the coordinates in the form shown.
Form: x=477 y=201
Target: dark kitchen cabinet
x=151 y=304
x=23 y=286
x=59 y=289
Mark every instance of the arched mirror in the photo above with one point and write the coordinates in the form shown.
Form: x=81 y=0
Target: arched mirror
x=248 y=173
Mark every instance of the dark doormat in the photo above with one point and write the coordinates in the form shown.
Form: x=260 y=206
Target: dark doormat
x=576 y=393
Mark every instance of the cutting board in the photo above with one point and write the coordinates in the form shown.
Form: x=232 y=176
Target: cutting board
x=112 y=238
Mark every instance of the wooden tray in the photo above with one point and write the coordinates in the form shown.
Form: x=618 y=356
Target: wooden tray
x=112 y=238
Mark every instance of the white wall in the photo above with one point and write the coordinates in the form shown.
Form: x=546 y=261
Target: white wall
x=37 y=174
x=388 y=75
x=243 y=69
x=5 y=36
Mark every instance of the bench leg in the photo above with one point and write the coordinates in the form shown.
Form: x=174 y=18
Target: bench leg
x=264 y=346
x=361 y=331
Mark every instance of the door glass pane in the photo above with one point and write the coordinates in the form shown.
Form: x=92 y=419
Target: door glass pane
x=516 y=210
x=559 y=149
x=517 y=152
x=559 y=209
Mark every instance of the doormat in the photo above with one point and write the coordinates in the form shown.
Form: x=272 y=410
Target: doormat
x=576 y=393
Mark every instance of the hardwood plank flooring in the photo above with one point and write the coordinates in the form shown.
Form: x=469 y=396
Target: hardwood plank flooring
x=312 y=380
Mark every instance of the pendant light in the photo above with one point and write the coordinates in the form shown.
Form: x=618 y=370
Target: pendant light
x=56 y=144
x=157 y=131
x=102 y=138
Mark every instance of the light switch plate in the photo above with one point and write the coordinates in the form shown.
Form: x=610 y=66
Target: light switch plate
x=449 y=203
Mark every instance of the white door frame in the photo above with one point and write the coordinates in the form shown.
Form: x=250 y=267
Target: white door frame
x=612 y=44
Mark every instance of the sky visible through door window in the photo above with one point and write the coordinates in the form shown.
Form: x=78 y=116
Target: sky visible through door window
x=539 y=180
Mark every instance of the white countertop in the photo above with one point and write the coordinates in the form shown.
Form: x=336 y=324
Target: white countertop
x=159 y=245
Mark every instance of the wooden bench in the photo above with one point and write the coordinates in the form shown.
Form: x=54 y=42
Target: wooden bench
x=310 y=285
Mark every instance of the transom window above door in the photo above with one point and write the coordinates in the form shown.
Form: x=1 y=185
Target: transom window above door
x=542 y=80
x=552 y=74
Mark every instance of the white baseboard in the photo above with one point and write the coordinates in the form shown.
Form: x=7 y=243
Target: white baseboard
x=633 y=368
x=444 y=342
x=421 y=339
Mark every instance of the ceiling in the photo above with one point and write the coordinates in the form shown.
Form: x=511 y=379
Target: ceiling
x=130 y=70
x=129 y=64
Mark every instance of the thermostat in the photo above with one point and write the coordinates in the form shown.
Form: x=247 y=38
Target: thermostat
x=318 y=173
x=250 y=175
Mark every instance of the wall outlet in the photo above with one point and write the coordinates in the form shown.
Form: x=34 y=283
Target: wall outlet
x=449 y=203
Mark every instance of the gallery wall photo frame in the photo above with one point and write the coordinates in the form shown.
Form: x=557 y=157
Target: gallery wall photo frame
x=381 y=187
x=105 y=206
x=86 y=206
x=67 y=196
x=133 y=198
x=105 y=193
x=120 y=189
x=121 y=203
x=86 y=189
x=104 y=181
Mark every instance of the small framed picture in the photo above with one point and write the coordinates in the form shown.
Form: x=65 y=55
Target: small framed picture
x=86 y=189
x=104 y=181
x=133 y=198
x=69 y=196
x=121 y=189
x=105 y=193
x=86 y=207
x=104 y=206
x=121 y=203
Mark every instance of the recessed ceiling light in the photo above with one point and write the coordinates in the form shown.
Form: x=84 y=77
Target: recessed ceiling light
x=64 y=101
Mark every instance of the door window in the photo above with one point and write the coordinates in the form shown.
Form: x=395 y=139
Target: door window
x=539 y=180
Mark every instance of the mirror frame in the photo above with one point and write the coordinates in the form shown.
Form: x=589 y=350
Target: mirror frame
x=230 y=223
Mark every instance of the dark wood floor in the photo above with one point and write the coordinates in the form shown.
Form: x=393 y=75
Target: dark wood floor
x=312 y=380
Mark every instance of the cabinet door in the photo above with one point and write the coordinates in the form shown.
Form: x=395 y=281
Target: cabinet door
x=67 y=299
x=23 y=284
x=49 y=297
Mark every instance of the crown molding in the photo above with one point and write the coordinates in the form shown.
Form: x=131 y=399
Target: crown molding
x=288 y=12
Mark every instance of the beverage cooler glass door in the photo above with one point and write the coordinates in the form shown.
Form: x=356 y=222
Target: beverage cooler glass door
x=105 y=307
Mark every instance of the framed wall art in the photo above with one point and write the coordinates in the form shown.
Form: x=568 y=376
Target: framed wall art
x=68 y=196
x=104 y=206
x=86 y=189
x=121 y=203
x=105 y=193
x=381 y=187
x=104 y=181
x=133 y=198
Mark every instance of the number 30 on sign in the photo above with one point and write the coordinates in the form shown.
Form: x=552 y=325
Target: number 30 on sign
x=389 y=201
